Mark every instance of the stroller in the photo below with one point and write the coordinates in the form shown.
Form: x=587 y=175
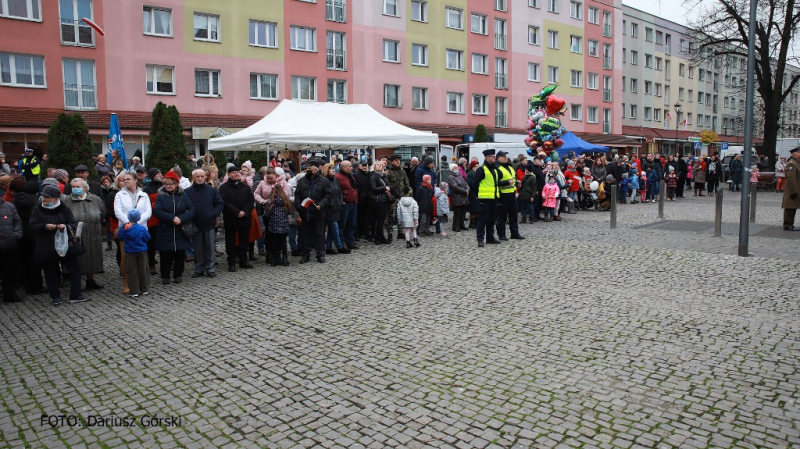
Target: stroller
x=589 y=195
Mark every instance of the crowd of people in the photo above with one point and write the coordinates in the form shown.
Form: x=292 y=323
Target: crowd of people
x=159 y=222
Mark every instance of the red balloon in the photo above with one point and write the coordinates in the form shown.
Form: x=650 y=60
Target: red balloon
x=554 y=104
x=559 y=142
x=548 y=145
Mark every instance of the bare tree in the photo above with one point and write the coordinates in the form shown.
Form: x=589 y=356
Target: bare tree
x=722 y=32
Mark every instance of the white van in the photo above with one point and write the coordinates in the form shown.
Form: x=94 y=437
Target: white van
x=476 y=149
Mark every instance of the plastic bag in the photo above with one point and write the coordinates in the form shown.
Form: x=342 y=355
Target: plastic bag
x=62 y=242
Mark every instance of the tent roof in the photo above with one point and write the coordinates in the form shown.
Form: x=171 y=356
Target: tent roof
x=305 y=125
x=578 y=145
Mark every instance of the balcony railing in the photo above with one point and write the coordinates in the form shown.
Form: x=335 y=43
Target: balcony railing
x=76 y=32
x=335 y=10
x=607 y=30
x=499 y=41
x=501 y=81
x=606 y=127
x=606 y=62
x=337 y=60
x=501 y=120
x=607 y=95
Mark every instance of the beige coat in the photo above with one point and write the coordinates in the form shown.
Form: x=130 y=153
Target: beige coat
x=792 y=185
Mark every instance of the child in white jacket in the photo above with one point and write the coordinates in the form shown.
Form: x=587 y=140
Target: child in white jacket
x=442 y=207
x=408 y=218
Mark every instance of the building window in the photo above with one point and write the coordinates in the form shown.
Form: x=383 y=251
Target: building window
x=552 y=74
x=607 y=56
x=80 y=86
x=302 y=38
x=500 y=73
x=479 y=106
x=591 y=114
x=391 y=51
x=634 y=57
x=647 y=113
x=552 y=6
x=634 y=85
x=701 y=76
x=419 y=11
x=454 y=18
x=157 y=21
x=575 y=78
x=574 y=112
x=648 y=88
x=659 y=37
x=455 y=59
x=206 y=27
x=500 y=34
x=533 y=35
x=658 y=63
x=501 y=112
x=633 y=111
x=606 y=24
x=624 y=81
x=22 y=70
x=500 y=5
x=304 y=88
x=480 y=64
x=657 y=91
x=533 y=72
x=336 y=50
x=607 y=88
x=680 y=93
x=648 y=61
x=690 y=96
x=607 y=121
x=419 y=54
x=648 y=34
x=479 y=24
x=656 y=115
x=335 y=10
x=593 y=48
x=552 y=39
x=74 y=31
x=575 y=44
x=263 y=34
x=533 y=3
x=594 y=16
x=681 y=69
x=22 y=9
x=455 y=103
x=419 y=97
x=391 y=95
x=263 y=86
x=390 y=8
x=624 y=55
x=592 y=81
x=575 y=10
x=160 y=80
x=337 y=91
x=206 y=83
x=634 y=30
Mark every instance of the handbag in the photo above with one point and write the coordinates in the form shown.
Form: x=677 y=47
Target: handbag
x=75 y=246
x=188 y=229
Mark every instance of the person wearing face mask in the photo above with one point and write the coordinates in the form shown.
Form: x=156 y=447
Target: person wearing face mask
x=89 y=209
x=238 y=201
x=50 y=216
x=173 y=208
x=312 y=198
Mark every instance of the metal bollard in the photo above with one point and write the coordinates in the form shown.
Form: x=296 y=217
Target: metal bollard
x=753 y=192
x=662 y=195
x=614 y=206
x=718 y=215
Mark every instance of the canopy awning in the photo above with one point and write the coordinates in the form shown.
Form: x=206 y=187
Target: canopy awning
x=304 y=125
x=573 y=143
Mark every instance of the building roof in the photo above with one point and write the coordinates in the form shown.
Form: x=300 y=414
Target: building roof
x=666 y=134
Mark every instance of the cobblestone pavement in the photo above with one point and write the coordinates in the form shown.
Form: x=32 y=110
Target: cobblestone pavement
x=578 y=336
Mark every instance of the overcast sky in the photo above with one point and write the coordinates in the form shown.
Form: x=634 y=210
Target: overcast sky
x=679 y=11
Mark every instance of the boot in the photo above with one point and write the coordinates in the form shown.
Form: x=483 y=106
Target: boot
x=524 y=220
x=408 y=244
x=400 y=235
x=416 y=242
x=252 y=253
x=388 y=237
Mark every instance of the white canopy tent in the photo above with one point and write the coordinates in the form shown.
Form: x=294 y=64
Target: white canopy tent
x=304 y=125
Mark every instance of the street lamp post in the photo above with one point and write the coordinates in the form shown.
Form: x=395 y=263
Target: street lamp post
x=677 y=114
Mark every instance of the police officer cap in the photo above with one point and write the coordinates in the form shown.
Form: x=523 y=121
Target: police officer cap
x=394 y=157
x=794 y=150
x=489 y=152
x=501 y=153
x=29 y=150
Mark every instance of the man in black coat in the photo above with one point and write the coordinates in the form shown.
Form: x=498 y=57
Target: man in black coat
x=683 y=171
x=311 y=198
x=540 y=181
x=239 y=202
x=208 y=205
x=364 y=212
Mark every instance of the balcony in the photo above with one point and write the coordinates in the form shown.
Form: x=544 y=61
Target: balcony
x=607 y=29
x=500 y=41
x=337 y=60
x=607 y=95
x=607 y=62
x=335 y=11
x=76 y=32
x=606 y=127
x=500 y=81
x=501 y=120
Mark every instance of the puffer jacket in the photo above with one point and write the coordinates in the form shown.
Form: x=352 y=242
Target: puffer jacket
x=10 y=226
x=407 y=212
x=334 y=212
x=528 y=188
x=459 y=190
x=168 y=206
x=125 y=201
x=45 y=251
x=378 y=184
x=424 y=197
x=442 y=202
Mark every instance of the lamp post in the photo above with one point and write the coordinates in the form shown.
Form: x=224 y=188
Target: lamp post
x=677 y=115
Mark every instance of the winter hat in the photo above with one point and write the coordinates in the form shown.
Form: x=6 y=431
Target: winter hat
x=426 y=178
x=172 y=175
x=571 y=164
x=31 y=187
x=610 y=178
x=643 y=174
x=60 y=174
x=279 y=171
x=51 y=191
x=134 y=216
x=232 y=168
x=50 y=182
x=624 y=176
x=453 y=167
x=153 y=172
x=671 y=168
x=473 y=164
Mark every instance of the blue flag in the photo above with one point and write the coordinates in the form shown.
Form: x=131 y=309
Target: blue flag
x=115 y=141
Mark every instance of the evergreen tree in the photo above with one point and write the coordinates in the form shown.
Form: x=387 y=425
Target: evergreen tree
x=257 y=158
x=69 y=144
x=167 y=146
x=480 y=134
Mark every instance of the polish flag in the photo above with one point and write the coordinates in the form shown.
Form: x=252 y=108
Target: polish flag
x=308 y=202
x=94 y=25
x=669 y=116
x=685 y=126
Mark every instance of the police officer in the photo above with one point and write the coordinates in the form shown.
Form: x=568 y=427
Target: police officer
x=507 y=203
x=29 y=166
x=486 y=178
x=791 y=190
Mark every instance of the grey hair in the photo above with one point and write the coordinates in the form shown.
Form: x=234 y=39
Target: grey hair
x=198 y=170
x=82 y=181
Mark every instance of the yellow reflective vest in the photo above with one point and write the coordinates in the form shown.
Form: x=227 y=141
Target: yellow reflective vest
x=506 y=174
x=487 y=189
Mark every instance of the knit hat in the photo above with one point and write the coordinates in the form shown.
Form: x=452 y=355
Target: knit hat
x=643 y=174
x=279 y=171
x=453 y=167
x=172 y=175
x=671 y=168
x=232 y=168
x=60 y=174
x=50 y=182
x=426 y=178
x=570 y=163
x=473 y=164
x=624 y=176
x=610 y=178
x=134 y=216
x=153 y=172
x=51 y=191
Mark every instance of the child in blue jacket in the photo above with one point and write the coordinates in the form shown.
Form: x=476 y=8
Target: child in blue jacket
x=135 y=238
x=634 y=181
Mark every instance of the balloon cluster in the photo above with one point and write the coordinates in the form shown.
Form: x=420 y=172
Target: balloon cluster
x=544 y=123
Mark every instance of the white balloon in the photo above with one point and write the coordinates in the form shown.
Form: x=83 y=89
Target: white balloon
x=594 y=185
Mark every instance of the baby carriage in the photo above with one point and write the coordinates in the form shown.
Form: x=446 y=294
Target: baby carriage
x=589 y=195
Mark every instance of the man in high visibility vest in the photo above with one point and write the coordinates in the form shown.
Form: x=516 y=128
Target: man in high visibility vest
x=486 y=181
x=507 y=201
x=29 y=166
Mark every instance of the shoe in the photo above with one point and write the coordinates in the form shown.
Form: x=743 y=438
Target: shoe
x=400 y=235
x=456 y=230
x=354 y=246
x=246 y=265
x=13 y=298
x=409 y=244
x=518 y=237
x=81 y=298
x=166 y=281
x=152 y=270
x=194 y=275
x=344 y=250
x=792 y=228
x=178 y=280
x=558 y=218
x=535 y=220
x=368 y=238
x=108 y=248
x=493 y=241
x=211 y=274
x=524 y=220
x=57 y=301
x=416 y=243
x=92 y=284
x=134 y=296
x=321 y=259
x=296 y=252
x=190 y=259
x=503 y=238
x=331 y=251
x=262 y=252
x=481 y=245
x=444 y=234
x=145 y=293
x=304 y=259
x=377 y=241
x=231 y=268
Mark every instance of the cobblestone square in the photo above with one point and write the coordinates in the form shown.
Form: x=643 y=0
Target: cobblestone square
x=578 y=336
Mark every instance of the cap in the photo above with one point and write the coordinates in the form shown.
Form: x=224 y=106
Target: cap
x=51 y=191
x=312 y=163
x=394 y=157
x=29 y=150
x=153 y=172
x=170 y=174
x=60 y=174
x=794 y=150
x=474 y=163
x=134 y=216
x=140 y=168
x=81 y=168
x=232 y=168
x=489 y=152
x=501 y=153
